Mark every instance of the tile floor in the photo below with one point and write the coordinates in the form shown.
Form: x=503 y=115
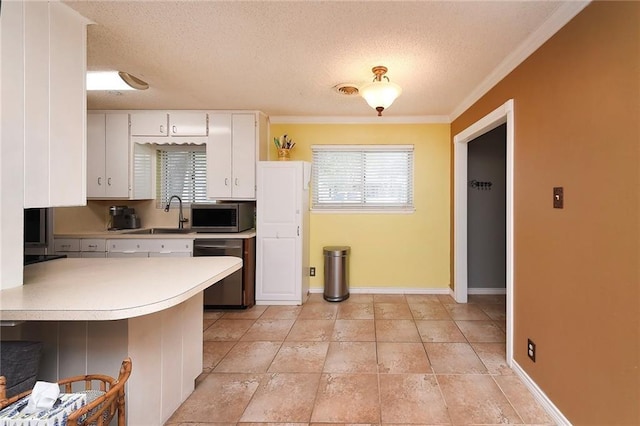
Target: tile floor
x=372 y=359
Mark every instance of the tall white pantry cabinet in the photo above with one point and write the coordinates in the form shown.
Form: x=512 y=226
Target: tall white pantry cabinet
x=282 y=252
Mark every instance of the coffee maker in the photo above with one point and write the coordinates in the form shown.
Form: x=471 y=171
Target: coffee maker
x=123 y=217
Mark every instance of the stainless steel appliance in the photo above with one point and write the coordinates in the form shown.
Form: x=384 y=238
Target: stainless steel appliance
x=123 y=217
x=38 y=231
x=223 y=217
x=238 y=289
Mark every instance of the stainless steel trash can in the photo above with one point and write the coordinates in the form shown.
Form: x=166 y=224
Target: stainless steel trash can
x=336 y=273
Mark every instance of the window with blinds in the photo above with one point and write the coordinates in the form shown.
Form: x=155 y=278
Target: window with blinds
x=183 y=172
x=362 y=177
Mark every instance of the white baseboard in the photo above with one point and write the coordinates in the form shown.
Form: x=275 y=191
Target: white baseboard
x=487 y=290
x=389 y=290
x=540 y=396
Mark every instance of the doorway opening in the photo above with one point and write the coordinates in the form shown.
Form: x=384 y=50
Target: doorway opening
x=501 y=115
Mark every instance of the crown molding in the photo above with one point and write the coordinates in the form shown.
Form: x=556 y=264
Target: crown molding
x=566 y=12
x=410 y=119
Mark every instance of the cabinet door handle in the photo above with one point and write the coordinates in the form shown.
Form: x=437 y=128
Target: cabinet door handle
x=93 y=246
x=109 y=181
x=236 y=181
x=298 y=231
x=175 y=130
x=99 y=181
x=161 y=128
x=226 y=181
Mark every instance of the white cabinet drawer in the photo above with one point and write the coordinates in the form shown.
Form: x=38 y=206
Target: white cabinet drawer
x=93 y=244
x=170 y=246
x=128 y=245
x=66 y=244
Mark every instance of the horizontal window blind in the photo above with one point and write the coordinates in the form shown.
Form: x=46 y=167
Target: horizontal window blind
x=181 y=172
x=362 y=177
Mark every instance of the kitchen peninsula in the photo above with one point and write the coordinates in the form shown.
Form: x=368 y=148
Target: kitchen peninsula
x=92 y=313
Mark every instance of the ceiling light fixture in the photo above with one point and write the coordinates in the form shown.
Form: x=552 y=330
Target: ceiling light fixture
x=114 y=80
x=380 y=94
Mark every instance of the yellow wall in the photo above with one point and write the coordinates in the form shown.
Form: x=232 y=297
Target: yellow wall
x=387 y=250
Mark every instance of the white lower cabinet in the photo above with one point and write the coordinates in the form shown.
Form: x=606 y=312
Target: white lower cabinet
x=126 y=247
x=80 y=247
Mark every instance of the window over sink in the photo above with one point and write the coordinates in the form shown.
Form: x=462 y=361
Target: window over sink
x=182 y=171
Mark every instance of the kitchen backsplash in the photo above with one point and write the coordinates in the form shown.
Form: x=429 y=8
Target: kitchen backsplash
x=94 y=216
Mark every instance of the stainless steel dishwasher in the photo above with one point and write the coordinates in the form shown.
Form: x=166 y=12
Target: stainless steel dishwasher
x=236 y=290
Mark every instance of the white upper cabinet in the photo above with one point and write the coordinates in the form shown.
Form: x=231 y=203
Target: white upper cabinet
x=163 y=124
x=188 y=124
x=107 y=155
x=232 y=151
x=116 y=168
x=150 y=124
x=54 y=51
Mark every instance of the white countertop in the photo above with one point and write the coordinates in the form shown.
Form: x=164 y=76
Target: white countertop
x=110 y=289
x=128 y=234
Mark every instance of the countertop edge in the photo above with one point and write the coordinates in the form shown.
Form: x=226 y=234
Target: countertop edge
x=108 y=235
x=14 y=314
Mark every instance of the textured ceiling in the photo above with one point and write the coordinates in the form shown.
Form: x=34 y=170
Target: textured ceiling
x=284 y=58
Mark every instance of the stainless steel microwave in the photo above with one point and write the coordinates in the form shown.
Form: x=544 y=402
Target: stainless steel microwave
x=223 y=217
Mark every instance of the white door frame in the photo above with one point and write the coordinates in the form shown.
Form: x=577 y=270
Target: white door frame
x=501 y=115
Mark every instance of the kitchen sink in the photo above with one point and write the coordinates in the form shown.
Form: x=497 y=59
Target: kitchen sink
x=152 y=231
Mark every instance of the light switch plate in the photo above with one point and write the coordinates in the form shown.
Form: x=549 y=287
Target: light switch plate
x=558 y=197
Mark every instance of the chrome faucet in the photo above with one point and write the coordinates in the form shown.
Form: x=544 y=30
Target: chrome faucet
x=181 y=219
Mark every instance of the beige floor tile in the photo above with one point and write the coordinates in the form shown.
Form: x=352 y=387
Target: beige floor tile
x=396 y=331
x=248 y=357
x=311 y=331
x=253 y=312
x=522 y=400
x=214 y=315
x=421 y=298
x=502 y=325
x=315 y=298
x=268 y=330
x=387 y=310
x=351 y=357
x=206 y=323
x=363 y=311
x=389 y=298
x=354 y=331
x=446 y=298
x=394 y=358
x=281 y=312
x=454 y=358
x=347 y=398
x=213 y=352
x=466 y=312
x=481 y=331
x=300 y=357
x=358 y=298
x=323 y=311
x=439 y=331
x=494 y=357
x=476 y=399
x=412 y=398
x=219 y=398
x=227 y=330
x=495 y=312
x=429 y=311
x=284 y=397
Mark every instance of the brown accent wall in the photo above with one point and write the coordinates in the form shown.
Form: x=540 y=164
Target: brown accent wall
x=577 y=270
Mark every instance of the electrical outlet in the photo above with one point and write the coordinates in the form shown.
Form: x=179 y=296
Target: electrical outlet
x=531 y=350
x=312 y=271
